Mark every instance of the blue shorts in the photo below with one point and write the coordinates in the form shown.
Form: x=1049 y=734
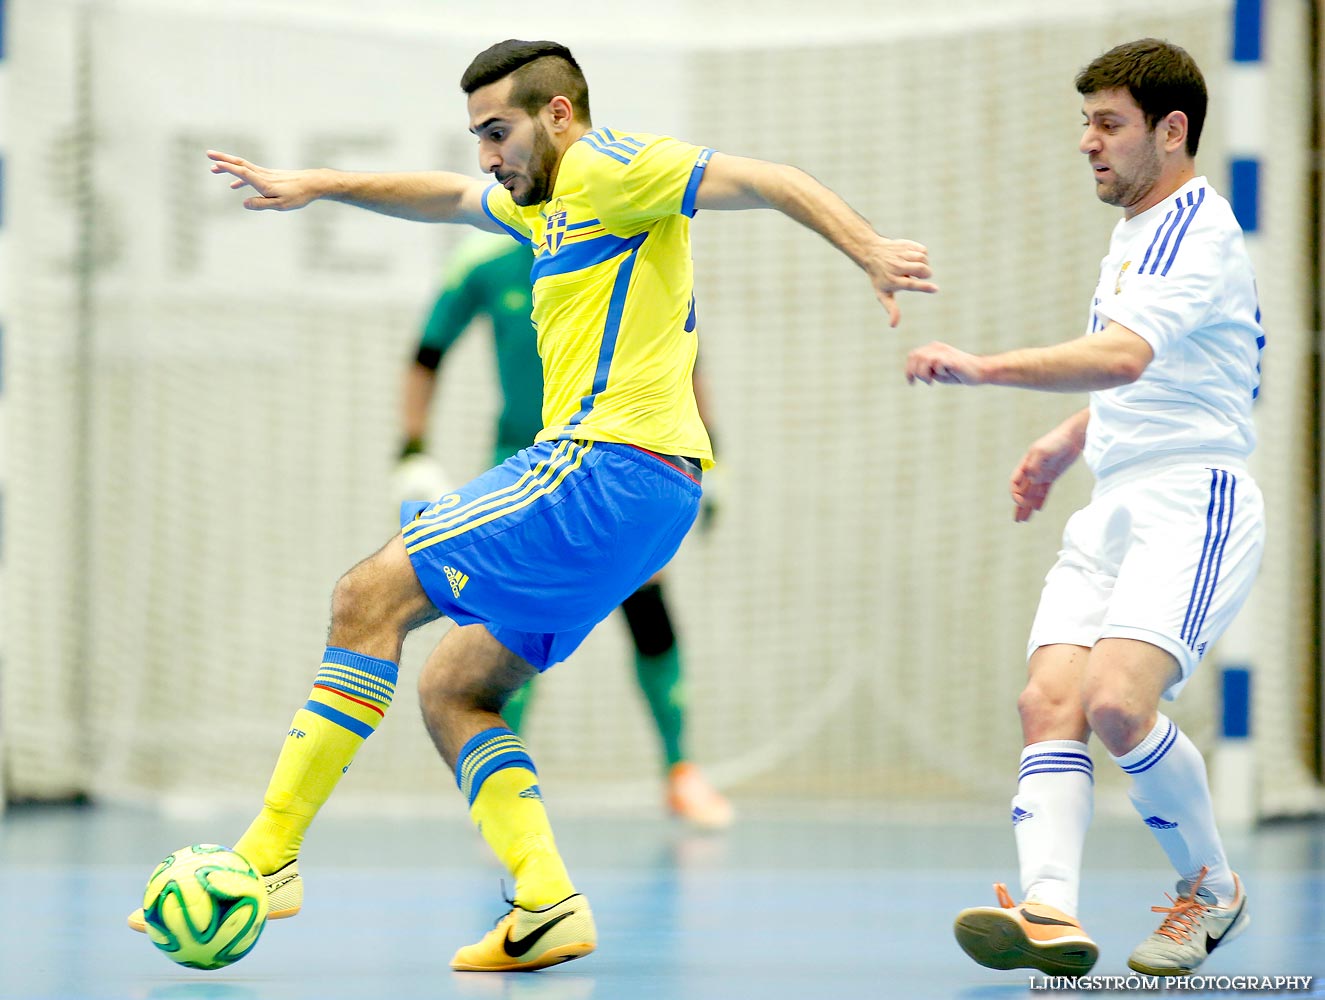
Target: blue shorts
x=543 y=547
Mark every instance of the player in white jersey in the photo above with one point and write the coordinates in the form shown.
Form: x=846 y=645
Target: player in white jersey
x=1154 y=568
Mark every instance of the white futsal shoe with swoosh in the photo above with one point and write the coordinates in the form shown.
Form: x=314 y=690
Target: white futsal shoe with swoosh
x=1193 y=926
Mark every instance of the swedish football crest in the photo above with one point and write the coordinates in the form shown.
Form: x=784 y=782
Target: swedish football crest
x=1118 y=281
x=555 y=230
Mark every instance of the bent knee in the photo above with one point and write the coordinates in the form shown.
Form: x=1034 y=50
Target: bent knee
x=1121 y=722
x=1050 y=711
x=380 y=593
x=1043 y=701
x=353 y=599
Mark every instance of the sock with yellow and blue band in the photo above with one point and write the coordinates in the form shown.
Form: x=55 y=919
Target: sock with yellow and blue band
x=350 y=696
x=497 y=777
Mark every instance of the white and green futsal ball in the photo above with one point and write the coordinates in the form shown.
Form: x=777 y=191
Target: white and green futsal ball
x=205 y=906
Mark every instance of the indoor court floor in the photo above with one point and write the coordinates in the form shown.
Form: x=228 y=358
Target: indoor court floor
x=787 y=904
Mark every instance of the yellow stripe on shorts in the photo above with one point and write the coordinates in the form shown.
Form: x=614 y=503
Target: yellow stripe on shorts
x=421 y=526
x=540 y=481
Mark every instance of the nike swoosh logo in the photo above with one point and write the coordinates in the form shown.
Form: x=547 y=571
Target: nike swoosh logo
x=518 y=948
x=1032 y=918
x=1211 y=943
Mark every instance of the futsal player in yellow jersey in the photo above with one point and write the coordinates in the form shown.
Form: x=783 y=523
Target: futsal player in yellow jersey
x=529 y=556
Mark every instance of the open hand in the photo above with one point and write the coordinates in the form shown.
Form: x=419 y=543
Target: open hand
x=279 y=190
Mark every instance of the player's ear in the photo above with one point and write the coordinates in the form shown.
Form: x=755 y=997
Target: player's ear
x=559 y=113
x=1175 y=130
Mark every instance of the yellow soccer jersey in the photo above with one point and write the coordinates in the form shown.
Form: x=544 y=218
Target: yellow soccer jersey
x=613 y=291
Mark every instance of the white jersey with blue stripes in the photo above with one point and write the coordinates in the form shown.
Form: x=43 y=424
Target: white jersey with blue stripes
x=1179 y=276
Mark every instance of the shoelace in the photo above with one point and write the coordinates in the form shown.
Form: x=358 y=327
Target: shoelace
x=1004 y=897
x=1180 y=918
x=509 y=902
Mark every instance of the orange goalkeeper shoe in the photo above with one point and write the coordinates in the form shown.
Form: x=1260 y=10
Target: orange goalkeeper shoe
x=691 y=797
x=1025 y=936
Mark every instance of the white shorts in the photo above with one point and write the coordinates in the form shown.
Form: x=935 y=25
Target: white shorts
x=1165 y=556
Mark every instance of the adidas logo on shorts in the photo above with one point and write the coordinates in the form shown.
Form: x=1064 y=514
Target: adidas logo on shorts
x=456 y=579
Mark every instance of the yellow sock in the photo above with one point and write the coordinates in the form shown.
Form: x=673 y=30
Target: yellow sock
x=497 y=776
x=350 y=696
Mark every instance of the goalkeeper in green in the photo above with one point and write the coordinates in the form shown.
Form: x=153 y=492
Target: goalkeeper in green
x=489 y=277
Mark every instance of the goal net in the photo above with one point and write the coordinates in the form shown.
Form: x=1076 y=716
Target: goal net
x=201 y=402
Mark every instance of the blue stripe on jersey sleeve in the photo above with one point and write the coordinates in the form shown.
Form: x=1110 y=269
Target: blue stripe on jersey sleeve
x=1164 y=243
x=593 y=143
x=625 y=144
x=626 y=140
x=515 y=233
x=578 y=256
x=692 y=188
x=1158 y=229
x=1183 y=231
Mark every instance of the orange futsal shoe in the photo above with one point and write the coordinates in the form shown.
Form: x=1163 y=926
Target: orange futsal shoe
x=693 y=799
x=1025 y=936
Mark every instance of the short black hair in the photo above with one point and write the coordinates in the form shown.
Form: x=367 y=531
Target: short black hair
x=1160 y=76
x=543 y=70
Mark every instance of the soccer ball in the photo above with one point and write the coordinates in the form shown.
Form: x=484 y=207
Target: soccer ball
x=205 y=906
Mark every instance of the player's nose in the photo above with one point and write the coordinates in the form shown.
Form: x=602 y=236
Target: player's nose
x=489 y=159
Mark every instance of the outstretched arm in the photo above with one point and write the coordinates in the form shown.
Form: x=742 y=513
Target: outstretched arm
x=1115 y=356
x=736 y=182
x=431 y=196
x=1046 y=460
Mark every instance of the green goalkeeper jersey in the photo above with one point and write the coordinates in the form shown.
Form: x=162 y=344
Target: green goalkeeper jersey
x=489 y=276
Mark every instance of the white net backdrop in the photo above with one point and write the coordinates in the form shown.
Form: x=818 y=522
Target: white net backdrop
x=854 y=626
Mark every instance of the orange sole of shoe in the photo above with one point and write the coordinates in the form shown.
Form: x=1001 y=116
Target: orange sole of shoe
x=995 y=939
x=555 y=956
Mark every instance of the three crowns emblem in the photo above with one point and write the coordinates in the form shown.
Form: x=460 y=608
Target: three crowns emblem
x=555 y=231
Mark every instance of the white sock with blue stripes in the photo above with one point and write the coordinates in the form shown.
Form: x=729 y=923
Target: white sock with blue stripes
x=1171 y=792
x=1050 y=814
